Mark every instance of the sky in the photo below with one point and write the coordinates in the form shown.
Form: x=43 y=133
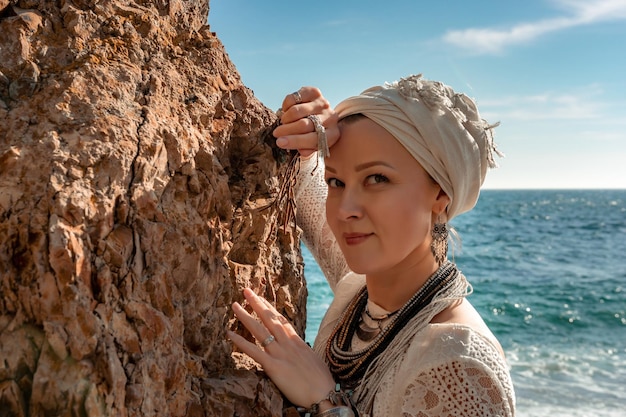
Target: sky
x=552 y=72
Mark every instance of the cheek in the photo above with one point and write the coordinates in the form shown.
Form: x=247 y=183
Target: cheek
x=406 y=218
x=417 y=226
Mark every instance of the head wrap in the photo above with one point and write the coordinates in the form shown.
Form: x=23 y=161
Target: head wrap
x=441 y=129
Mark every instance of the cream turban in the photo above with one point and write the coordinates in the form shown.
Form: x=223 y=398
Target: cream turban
x=440 y=128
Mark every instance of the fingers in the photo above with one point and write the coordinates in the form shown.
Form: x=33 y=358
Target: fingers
x=297 y=130
x=248 y=348
x=272 y=322
x=294 y=113
x=306 y=143
x=301 y=375
x=311 y=102
x=257 y=329
x=301 y=135
x=272 y=327
x=301 y=97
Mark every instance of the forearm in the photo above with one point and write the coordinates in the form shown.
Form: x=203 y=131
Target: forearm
x=310 y=195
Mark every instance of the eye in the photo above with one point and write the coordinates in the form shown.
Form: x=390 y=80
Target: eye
x=334 y=183
x=376 y=179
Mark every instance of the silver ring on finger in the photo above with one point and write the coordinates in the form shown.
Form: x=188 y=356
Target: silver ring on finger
x=267 y=341
x=322 y=142
x=296 y=95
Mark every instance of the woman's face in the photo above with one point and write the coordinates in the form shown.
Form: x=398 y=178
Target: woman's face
x=381 y=202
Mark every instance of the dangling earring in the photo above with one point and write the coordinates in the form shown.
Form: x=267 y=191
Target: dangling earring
x=439 y=245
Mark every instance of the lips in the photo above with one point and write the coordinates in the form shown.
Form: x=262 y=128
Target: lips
x=356 y=238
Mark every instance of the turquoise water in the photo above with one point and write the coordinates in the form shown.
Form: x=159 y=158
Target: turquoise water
x=549 y=276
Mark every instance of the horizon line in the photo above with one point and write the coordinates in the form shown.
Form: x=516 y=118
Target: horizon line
x=553 y=189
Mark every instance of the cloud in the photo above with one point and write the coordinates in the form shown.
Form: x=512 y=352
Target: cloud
x=578 y=13
x=548 y=106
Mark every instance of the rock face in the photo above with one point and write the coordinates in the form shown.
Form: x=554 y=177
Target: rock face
x=134 y=172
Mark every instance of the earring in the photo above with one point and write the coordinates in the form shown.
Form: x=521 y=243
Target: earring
x=439 y=244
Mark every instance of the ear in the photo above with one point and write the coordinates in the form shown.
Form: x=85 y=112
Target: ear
x=441 y=202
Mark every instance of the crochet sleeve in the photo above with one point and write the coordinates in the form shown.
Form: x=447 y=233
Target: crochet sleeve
x=472 y=381
x=458 y=389
x=310 y=196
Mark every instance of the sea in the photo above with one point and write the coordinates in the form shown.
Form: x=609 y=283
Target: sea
x=548 y=268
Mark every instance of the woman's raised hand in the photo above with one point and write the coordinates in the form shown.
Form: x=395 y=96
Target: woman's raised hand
x=297 y=131
x=297 y=371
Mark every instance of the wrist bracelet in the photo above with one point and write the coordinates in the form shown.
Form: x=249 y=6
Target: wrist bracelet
x=339 y=411
x=335 y=397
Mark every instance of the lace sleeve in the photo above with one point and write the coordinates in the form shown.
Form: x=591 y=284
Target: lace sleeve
x=470 y=379
x=456 y=388
x=310 y=196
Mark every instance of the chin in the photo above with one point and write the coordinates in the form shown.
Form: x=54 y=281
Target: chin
x=363 y=262
x=356 y=266
x=362 y=267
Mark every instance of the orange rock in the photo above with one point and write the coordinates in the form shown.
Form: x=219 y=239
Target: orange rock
x=132 y=164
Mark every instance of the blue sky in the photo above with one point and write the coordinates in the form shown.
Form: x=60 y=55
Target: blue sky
x=553 y=72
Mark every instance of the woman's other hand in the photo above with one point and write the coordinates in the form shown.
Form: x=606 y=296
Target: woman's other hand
x=297 y=131
x=299 y=373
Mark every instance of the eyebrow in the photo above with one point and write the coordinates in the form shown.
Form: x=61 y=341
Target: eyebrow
x=362 y=166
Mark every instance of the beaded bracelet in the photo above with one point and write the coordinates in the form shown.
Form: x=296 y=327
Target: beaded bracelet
x=335 y=397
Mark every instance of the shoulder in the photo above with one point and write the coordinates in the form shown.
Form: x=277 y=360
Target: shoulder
x=455 y=342
x=445 y=352
x=459 y=367
x=464 y=315
x=447 y=342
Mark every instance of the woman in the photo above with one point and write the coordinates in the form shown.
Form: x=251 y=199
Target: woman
x=400 y=338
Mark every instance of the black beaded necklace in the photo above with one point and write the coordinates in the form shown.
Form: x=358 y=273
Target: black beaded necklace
x=349 y=367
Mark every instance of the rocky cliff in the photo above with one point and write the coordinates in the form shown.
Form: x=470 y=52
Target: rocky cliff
x=135 y=172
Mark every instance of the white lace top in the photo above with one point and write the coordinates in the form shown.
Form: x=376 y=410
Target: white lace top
x=447 y=369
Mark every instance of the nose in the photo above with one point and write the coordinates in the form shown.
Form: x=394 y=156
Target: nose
x=350 y=206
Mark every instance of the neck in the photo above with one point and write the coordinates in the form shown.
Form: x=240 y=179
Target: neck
x=392 y=288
